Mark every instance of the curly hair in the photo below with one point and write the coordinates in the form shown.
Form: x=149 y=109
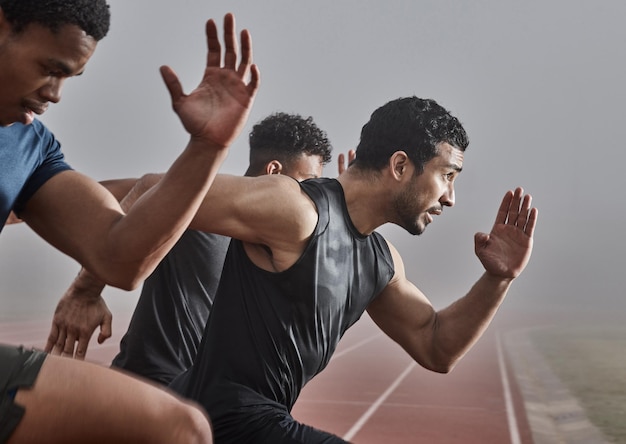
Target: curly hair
x=410 y=124
x=285 y=137
x=92 y=16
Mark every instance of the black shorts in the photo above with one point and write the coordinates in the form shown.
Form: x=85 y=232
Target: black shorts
x=18 y=368
x=264 y=424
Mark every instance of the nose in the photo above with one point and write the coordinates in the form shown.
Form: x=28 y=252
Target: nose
x=52 y=90
x=448 y=197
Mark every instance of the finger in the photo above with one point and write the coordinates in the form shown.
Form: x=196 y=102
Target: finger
x=341 y=159
x=351 y=156
x=480 y=240
x=522 y=218
x=214 y=56
x=529 y=229
x=81 y=349
x=60 y=343
x=230 y=41
x=172 y=83
x=255 y=81
x=246 y=53
x=52 y=338
x=70 y=343
x=105 y=328
x=514 y=207
x=503 y=211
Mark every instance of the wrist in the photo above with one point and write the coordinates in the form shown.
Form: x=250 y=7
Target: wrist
x=85 y=282
x=497 y=280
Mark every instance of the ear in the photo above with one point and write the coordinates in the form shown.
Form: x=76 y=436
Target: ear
x=4 y=24
x=6 y=28
x=399 y=165
x=274 y=167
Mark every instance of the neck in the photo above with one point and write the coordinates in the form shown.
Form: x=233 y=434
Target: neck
x=366 y=198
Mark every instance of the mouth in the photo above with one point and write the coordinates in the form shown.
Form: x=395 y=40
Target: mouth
x=433 y=212
x=35 y=108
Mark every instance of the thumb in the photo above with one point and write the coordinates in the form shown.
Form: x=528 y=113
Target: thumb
x=105 y=328
x=480 y=240
x=172 y=83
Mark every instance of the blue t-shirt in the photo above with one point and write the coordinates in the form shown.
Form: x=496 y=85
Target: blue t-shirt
x=29 y=156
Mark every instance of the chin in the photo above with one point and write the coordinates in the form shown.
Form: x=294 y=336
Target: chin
x=414 y=229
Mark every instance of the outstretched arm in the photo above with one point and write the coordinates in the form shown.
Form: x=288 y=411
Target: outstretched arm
x=437 y=340
x=82 y=219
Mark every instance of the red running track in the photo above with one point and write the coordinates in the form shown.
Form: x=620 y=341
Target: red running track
x=372 y=392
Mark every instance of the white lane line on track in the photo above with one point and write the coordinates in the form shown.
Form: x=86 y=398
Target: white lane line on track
x=508 y=398
x=355 y=346
x=363 y=419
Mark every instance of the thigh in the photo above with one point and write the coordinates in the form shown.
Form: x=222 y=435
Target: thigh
x=77 y=401
x=18 y=369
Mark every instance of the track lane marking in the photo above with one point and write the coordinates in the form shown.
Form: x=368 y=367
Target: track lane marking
x=355 y=346
x=366 y=416
x=508 y=398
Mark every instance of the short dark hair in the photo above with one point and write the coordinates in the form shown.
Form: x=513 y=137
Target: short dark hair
x=408 y=124
x=92 y=16
x=284 y=137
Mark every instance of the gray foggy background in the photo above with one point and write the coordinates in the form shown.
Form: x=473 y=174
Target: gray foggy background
x=539 y=86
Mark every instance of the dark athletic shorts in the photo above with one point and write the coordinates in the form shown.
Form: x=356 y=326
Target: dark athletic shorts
x=18 y=368
x=265 y=424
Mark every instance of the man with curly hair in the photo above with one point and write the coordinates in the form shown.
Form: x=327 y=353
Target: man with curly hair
x=46 y=398
x=306 y=262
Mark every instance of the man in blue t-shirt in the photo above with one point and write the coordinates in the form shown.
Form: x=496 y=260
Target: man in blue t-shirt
x=46 y=398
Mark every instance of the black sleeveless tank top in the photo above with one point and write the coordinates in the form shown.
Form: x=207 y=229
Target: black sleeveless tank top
x=269 y=333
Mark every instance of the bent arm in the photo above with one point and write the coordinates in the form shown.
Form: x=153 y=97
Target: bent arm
x=437 y=340
x=78 y=216
x=82 y=219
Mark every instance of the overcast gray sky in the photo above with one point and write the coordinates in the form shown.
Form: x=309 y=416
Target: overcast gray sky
x=537 y=84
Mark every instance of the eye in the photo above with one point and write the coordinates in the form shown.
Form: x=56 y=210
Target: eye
x=51 y=71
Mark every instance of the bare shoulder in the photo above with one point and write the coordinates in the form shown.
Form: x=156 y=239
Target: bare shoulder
x=269 y=210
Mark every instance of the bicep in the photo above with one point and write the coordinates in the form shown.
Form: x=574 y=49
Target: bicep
x=74 y=214
x=404 y=313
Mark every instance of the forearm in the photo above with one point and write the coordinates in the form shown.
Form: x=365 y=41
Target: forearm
x=460 y=325
x=158 y=218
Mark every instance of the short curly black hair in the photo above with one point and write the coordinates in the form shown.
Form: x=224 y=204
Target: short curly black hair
x=284 y=137
x=416 y=126
x=92 y=16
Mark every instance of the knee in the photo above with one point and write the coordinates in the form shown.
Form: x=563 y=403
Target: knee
x=192 y=426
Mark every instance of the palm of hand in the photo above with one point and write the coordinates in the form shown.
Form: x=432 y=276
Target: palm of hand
x=505 y=251
x=217 y=109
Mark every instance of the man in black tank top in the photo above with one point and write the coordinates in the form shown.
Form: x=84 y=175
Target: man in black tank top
x=175 y=301
x=305 y=262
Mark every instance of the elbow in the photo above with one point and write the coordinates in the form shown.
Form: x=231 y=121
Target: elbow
x=127 y=278
x=442 y=367
x=438 y=365
x=439 y=361
x=128 y=284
